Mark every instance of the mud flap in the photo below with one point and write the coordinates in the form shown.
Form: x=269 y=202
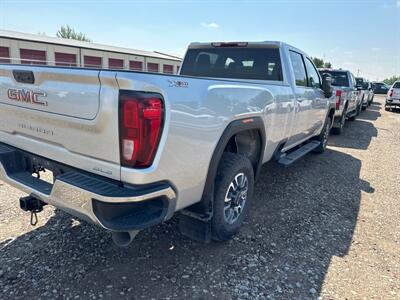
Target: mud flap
x=195 y=227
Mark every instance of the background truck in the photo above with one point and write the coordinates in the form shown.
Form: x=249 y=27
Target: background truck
x=128 y=149
x=346 y=97
x=393 y=96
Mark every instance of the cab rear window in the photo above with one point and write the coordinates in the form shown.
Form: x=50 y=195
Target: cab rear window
x=233 y=62
x=338 y=78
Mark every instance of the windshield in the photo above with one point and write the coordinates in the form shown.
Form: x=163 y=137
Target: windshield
x=338 y=78
x=233 y=62
x=396 y=85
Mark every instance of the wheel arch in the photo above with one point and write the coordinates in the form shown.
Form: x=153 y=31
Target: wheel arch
x=235 y=128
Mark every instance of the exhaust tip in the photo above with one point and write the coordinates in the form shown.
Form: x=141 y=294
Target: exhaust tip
x=124 y=239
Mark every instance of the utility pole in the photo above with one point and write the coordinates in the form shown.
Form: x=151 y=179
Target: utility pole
x=358 y=72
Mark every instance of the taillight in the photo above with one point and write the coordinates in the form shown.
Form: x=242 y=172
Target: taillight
x=141 y=117
x=338 y=98
x=390 y=93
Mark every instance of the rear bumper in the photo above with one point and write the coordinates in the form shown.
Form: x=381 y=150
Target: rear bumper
x=113 y=205
x=392 y=102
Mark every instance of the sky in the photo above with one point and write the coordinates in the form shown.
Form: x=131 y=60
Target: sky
x=360 y=35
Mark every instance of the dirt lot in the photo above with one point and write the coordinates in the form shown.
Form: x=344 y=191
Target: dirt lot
x=328 y=227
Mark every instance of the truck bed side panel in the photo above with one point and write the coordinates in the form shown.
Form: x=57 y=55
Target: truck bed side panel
x=197 y=112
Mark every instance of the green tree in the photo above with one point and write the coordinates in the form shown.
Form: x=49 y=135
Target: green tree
x=327 y=64
x=320 y=63
x=391 y=80
x=67 y=32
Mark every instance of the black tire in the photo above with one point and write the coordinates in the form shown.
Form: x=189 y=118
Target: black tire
x=359 y=108
x=353 y=118
x=323 y=137
x=372 y=100
x=339 y=130
x=364 y=108
x=223 y=224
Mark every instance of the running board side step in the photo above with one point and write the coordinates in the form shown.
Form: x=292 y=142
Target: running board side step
x=288 y=159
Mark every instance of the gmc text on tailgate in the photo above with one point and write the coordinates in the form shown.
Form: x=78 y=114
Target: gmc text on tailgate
x=129 y=149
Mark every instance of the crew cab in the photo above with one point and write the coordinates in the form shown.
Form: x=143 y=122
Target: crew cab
x=346 y=97
x=129 y=149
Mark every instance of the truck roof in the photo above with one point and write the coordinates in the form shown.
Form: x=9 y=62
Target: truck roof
x=332 y=70
x=277 y=44
x=261 y=44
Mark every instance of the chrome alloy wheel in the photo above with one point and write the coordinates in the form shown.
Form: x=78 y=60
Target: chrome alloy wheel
x=235 y=198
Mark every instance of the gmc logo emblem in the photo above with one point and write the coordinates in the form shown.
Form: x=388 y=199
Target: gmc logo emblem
x=27 y=96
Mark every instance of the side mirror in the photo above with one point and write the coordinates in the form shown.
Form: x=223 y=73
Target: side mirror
x=327 y=85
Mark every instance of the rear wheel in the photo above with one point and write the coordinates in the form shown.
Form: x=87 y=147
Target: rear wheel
x=323 y=137
x=339 y=130
x=359 y=108
x=234 y=187
x=353 y=115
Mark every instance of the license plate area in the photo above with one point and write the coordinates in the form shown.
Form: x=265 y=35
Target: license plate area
x=29 y=169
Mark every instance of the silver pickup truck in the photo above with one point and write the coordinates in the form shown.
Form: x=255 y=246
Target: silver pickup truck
x=127 y=150
x=346 y=97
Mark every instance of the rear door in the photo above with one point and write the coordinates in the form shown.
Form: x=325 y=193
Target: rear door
x=319 y=102
x=353 y=98
x=302 y=126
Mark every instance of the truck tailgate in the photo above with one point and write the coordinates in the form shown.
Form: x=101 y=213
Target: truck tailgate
x=56 y=91
x=67 y=115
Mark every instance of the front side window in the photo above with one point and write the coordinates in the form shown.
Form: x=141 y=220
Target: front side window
x=298 y=68
x=312 y=75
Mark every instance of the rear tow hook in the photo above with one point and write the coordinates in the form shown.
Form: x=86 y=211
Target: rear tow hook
x=32 y=204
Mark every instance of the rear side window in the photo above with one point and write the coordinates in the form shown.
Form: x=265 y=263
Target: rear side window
x=313 y=76
x=233 y=62
x=396 y=85
x=338 y=78
x=298 y=68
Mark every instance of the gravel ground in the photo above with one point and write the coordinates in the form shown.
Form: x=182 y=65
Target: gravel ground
x=326 y=227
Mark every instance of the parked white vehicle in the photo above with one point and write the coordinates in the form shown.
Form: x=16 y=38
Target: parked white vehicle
x=393 y=96
x=129 y=149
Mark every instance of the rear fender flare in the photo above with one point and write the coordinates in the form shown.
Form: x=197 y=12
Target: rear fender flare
x=204 y=207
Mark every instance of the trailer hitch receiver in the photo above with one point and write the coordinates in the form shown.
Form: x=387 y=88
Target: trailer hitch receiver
x=32 y=204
